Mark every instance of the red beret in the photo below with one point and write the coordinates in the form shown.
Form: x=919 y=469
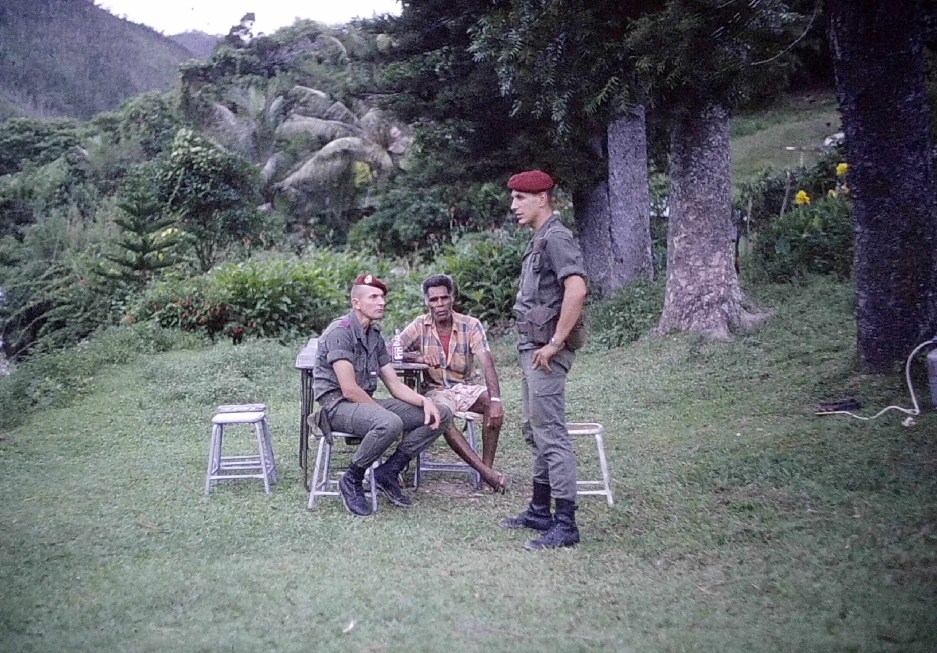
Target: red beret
x=370 y=280
x=531 y=181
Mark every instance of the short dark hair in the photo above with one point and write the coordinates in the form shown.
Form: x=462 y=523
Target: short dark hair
x=438 y=280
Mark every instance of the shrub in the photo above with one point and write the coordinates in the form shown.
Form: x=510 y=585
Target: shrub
x=762 y=198
x=813 y=238
x=633 y=311
x=277 y=296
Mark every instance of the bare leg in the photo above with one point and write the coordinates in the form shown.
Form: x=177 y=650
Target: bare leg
x=460 y=445
x=490 y=432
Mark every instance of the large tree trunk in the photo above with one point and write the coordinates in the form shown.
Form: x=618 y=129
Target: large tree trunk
x=703 y=293
x=613 y=217
x=879 y=64
x=591 y=210
x=629 y=200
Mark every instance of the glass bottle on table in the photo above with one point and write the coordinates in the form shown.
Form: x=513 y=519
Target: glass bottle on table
x=396 y=347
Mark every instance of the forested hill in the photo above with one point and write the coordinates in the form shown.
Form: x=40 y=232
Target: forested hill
x=72 y=58
x=199 y=44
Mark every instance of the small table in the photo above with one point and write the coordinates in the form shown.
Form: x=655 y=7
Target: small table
x=412 y=374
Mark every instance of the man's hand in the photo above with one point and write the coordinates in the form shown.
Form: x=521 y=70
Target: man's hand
x=432 y=359
x=431 y=413
x=544 y=355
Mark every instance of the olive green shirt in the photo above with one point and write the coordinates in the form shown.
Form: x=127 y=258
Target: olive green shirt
x=552 y=255
x=345 y=339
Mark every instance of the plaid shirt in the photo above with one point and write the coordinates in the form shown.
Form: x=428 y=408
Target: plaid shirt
x=468 y=339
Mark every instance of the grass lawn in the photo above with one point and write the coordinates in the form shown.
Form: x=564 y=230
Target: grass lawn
x=743 y=522
x=760 y=139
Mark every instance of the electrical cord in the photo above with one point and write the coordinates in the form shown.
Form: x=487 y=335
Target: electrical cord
x=912 y=412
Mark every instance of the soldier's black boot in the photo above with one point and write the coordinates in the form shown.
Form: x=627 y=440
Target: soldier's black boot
x=387 y=482
x=350 y=487
x=564 y=531
x=537 y=516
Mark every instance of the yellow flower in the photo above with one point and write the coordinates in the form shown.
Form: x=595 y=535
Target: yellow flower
x=841 y=169
x=802 y=197
x=831 y=193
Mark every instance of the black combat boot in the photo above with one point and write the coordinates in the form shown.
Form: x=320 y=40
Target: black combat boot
x=349 y=486
x=537 y=516
x=387 y=482
x=564 y=531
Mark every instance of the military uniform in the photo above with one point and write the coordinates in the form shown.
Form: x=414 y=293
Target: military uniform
x=552 y=256
x=379 y=426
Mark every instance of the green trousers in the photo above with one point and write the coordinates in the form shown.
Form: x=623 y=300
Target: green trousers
x=380 y=425
x=544 y=423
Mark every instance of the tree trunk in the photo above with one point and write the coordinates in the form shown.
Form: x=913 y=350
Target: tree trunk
x=591 y=210
x=703 y=293
x=879 y=64
x=629 y=200
x=613 y=217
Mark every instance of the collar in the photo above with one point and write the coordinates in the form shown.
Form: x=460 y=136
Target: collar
x=428 y=320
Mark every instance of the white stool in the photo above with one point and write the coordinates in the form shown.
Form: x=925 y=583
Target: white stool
x=425 y=464
x=323 y=483
x=603 y=487
x=261 y=465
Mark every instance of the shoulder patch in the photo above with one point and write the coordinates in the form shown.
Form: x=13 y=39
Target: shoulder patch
x=345 y=324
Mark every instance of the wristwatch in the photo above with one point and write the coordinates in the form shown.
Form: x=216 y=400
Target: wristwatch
x=558 y=345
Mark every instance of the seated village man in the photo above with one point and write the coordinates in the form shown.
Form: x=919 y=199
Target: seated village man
x=451 y=343
x=350 y=357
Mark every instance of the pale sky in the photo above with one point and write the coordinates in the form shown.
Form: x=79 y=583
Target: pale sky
x=218 y=16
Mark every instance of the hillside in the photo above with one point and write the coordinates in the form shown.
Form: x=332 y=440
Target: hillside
x=72 y=58
x=199 y=44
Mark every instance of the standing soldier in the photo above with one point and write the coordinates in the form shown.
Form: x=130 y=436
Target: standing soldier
x=548 y=310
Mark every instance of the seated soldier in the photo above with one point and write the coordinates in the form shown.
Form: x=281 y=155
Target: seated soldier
x=350 y=357
x=450 y=343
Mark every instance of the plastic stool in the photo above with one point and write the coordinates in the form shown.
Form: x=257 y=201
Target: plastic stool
x=603 y=487
x=261 y=465
x=425 y=464
x=322 y=483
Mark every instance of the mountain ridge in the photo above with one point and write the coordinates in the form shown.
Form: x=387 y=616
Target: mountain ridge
x=71 y=58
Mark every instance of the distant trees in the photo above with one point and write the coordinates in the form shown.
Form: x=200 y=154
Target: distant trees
x=601 y=62
x=213 y=193
x=149 y=237
x=72 y=58
x=879 y=61
x=566 y=61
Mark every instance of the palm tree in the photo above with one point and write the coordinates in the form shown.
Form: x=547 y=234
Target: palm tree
x=314 y=152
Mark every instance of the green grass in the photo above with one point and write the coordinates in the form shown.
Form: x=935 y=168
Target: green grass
x=759 y=139
x=743 y=522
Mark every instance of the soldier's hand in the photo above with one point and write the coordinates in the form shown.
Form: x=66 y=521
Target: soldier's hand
x=431 y=413
x=544 y=355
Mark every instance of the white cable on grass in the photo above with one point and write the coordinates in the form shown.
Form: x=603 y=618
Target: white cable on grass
x=907 y=375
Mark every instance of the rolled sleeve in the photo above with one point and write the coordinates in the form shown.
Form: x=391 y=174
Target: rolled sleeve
x=565 y=256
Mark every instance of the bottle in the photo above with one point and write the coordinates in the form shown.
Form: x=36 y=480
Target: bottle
x=396 y=347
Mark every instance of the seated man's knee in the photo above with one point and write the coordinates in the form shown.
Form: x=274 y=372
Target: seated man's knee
x=445 y=416
x=388 y=424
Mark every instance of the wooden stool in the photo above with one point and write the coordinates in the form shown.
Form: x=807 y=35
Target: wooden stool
x=261 y=465
x=603 y=487
x=425 y=465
